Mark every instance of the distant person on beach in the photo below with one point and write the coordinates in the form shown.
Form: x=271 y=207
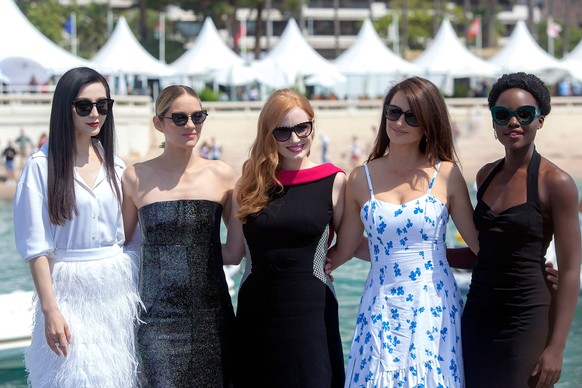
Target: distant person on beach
x=514 y=328
x=68 y=228
x=42 y=139
x=179 y=199
x=24 y=142
x=408 y=328
x=324 y=148
x=285 y=210
x=9 y=153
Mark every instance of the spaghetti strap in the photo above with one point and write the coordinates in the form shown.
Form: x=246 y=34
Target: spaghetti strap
x=436 y=170
x=369 y=181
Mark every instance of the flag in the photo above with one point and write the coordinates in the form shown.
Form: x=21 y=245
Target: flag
x=474 y=28
x=69 y=25
x=553 y=30
x=241 y=33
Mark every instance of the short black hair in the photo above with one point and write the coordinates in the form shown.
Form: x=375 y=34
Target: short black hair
x=527 y=82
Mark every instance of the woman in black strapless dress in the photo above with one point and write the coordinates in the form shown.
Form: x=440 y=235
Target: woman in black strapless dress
x=186 y=339
x=510 y=337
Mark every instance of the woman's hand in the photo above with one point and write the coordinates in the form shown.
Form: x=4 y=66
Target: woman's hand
x=327 y=268
x=548 y=367
x=56 y=330
x=552 y=275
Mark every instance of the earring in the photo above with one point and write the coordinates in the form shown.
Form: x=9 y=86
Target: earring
x=494 y=133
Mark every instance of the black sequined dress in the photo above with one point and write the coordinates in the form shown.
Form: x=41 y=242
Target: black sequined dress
x=186 y=339
x=287 y=312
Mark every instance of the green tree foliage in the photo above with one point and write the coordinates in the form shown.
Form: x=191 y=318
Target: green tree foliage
x=421 y=14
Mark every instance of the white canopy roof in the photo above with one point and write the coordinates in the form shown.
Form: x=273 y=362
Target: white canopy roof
x=208 y=55
x=370 y=66
x=26 y=52
x=369 y=55
x=523 y=53
x=573 y=61
x=446 y=55
x=124 y=54
x=293 y=57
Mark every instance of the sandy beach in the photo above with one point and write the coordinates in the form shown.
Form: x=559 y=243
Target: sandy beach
x=560 y=139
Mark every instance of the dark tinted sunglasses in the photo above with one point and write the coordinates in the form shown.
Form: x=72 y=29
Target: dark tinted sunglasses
x=524 y=114
x=302 y=130
x=393 y=113
x=84 y=107
x=181 y=119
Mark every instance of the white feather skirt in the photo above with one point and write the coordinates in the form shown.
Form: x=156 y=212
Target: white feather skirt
x=99 y=301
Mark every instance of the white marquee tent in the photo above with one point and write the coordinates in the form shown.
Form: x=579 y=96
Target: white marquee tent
x=25 y=52
x=293 y=58
x=369 y=65
x=573 y=61
x=447 y=58
x=523 y=53
x=207 y=56
x=123 y=54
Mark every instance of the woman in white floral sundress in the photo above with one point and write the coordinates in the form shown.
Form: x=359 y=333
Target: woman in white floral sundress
x=408 y=326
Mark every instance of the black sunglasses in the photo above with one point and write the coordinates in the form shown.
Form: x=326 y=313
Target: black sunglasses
x=524 y=114
x=181 y=119
x=302 y=130
x=393 y=113
x=84 y=107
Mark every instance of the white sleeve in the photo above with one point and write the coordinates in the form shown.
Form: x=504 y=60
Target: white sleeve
x=32 y=227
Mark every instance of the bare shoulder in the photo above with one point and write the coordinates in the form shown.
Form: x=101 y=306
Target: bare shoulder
x=485 y=171
x=220 y=169
x=556 y=181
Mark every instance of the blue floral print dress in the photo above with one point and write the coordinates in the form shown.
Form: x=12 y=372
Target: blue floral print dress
x=408 y=328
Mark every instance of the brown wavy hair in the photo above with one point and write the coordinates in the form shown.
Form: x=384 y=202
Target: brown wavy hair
x=259 y=172
x=430 y=109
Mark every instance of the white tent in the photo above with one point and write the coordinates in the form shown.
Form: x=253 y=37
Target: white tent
x=25 y=52
x=124 y=54
x=447 y=58
x=293 y=58
x=573 y=61
x=370 y=65
x=523 y=53
x=207 y=56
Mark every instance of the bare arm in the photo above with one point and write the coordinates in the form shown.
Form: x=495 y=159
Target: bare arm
x=128 y=208
x=563 y=201
x=351 y=229
x=56 y=329
x=233 y=250
x=461 y=211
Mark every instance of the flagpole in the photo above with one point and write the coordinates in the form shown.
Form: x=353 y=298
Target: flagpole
x=478 y=38
x=550 y=35
x=162 y=37
x=74 y=33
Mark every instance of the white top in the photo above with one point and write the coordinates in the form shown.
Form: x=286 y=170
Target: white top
x=96 y=232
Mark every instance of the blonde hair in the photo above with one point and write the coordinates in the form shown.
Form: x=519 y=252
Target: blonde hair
x=259 y=172
x=169 y=95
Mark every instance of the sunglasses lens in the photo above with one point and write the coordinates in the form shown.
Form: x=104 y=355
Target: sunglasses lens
x=393 y=113
x=282 y=134
x=83 y=107
x=198 y=117
x=102 y=107
x=411 y=119
x=525 y=115
x=180 y=119
x=303 y=129
x=501 y=116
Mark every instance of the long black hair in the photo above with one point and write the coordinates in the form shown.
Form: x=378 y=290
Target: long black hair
x=62 y=145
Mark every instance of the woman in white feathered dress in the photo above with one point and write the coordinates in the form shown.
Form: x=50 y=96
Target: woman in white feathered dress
x=69 y=229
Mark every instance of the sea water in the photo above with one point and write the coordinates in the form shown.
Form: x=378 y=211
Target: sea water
x=349 y=284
